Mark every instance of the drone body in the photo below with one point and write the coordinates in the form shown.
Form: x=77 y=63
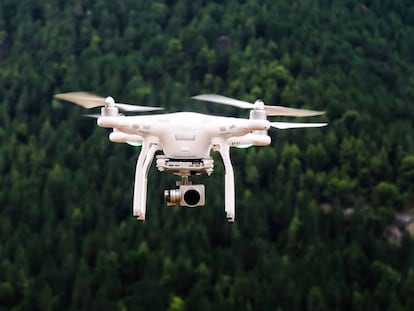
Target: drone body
x=183 y=135
x=186 y=140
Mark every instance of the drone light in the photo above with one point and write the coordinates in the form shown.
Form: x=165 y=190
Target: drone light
x=244 y=146
x=134 y=144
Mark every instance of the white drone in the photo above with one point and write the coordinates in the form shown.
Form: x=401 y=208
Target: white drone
x=186 y=140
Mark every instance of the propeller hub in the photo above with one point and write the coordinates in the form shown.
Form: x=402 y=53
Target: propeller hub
x=259 y=104
x=109 y=101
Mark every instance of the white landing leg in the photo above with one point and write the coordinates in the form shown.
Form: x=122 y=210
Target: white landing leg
x=141 y=179
x=229 y=207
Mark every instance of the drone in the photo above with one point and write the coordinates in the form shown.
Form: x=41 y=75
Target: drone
x=185 y=140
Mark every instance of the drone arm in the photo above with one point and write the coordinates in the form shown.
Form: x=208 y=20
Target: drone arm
x=120 y=137
x=224 y=150
x=141 y=178
x=249 y=139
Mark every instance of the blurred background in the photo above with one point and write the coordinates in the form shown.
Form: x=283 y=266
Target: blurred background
x=324 y=216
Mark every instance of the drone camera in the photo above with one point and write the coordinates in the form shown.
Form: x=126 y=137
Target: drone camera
x=186 y=195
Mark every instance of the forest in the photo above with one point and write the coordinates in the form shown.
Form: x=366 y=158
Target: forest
x=325 y=217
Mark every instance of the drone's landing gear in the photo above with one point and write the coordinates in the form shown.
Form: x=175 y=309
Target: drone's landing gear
x=224 y=150
x=141 y=179
x=187 y=194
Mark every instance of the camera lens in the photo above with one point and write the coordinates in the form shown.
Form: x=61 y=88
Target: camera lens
x=192 y=197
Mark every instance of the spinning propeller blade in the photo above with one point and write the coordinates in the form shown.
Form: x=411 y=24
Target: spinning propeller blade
x=92 y=115
x=219 y=99
x=270 y=110
x=289 y=125
x=88 y=100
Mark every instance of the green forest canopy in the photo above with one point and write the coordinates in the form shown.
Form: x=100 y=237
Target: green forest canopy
x=323 y=215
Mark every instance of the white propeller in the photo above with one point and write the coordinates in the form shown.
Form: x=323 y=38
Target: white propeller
x=289 y=125
x=88 y=100
x=259 y=105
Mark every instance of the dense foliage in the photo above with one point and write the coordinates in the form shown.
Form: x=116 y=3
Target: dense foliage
x=323 y=215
